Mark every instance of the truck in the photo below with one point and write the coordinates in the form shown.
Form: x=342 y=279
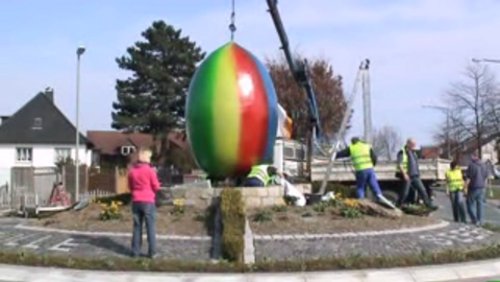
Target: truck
x=291 y=156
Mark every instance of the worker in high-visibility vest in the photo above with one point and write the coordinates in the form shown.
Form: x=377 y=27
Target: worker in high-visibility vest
x=455 y=188
x=260 y=176
x=364 y=159
x=409 y=172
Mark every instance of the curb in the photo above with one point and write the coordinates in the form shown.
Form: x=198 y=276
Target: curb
x=445 y=272
x=108 y=234
x=439 y=225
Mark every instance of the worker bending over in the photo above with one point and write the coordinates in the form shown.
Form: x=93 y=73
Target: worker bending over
x=260 y=176
x=364 y=159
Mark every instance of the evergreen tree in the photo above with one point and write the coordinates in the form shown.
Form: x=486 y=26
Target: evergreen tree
x=152 y=99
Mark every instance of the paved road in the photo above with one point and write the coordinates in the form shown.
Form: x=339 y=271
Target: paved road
x=484 y=279
x=491 y=210
x=13 y=236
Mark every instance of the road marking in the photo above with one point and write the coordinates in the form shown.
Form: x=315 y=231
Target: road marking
x=109 y=234
x=33 y=245
x=64 y=246
x=14 y=240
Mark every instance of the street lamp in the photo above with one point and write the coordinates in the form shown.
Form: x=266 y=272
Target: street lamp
x=79 y=52
x=475 y=60
x=447 y=111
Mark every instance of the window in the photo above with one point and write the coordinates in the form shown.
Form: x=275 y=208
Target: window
x=37 y=123
x=62 y=154
x=127 y=150
x=24 y=154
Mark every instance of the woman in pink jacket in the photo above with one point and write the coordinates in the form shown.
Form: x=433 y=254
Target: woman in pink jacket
x=143 y=184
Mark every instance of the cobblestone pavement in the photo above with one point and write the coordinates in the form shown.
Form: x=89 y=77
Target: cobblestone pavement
x=95 y=246
x=447 y=236
x=452 y=236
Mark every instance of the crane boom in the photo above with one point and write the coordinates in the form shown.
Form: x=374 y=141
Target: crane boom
x=299 y=69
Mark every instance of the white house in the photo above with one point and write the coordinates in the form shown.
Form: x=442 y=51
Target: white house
x=38 y=135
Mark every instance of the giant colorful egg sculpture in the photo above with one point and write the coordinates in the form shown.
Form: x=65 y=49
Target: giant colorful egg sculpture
x=231 y=112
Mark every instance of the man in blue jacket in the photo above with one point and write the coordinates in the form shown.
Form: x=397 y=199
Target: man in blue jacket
x=476 y=177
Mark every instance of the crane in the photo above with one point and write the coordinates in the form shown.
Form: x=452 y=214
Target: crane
x=301 y=74
x=299 y=69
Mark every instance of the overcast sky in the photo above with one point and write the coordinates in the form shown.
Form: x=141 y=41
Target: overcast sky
x=416 y=47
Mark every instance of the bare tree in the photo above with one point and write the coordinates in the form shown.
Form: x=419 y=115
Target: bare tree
x=473 y=104
x=330 y=98
x=386 y=142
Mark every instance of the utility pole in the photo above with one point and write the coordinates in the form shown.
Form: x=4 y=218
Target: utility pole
x=79 y=53
x=367 y=107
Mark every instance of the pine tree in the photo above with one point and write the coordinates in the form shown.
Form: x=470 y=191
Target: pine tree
x=152 y=99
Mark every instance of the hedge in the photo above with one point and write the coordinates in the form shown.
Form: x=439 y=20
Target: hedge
x=233 y=224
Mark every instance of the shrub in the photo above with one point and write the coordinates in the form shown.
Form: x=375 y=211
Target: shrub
x=278 y=208
x=320 y=207
x=125 y=199
x=350 y=208
x=419 y=210
x=179 y=207
x=290 y=200
x=110 y=211
x=350 y=212
x=233 y=224
x=263 y=216
x=337 y=188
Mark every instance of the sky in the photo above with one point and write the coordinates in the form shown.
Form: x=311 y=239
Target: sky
x=416 y=48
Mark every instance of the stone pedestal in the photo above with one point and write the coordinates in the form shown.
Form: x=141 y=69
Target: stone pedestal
x=254 y=197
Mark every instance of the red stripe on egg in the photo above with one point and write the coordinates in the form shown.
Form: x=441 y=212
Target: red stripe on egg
x=253 y=108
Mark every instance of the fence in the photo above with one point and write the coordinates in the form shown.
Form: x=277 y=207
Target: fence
x=95 y=194
x=112 y=180
x=5 y=198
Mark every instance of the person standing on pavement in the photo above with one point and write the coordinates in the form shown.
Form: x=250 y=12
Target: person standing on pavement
x=364 y=159
x=143 y=184
x=455 y=190
x=409 y=173
x=476 y=177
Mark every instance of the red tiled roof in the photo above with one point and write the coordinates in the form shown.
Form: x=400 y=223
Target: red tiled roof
x=109 y=142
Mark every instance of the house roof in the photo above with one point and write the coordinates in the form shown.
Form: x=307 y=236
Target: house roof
x=109 y=142
x=471 y=144
x=39 y=122
x=430 y=152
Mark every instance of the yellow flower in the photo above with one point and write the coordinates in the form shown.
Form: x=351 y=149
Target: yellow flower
x=179 y=202
x=352 y=203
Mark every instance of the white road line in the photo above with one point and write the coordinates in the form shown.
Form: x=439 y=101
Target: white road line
x=442 y=224
x=33 y=245
x=64 y=246
x=108 y=234
x=14 y=240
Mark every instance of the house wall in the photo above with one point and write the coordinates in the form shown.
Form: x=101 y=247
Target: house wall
x=43 y=156
x=489 y=151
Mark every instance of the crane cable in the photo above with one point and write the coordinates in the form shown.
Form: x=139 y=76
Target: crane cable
x=232 y=25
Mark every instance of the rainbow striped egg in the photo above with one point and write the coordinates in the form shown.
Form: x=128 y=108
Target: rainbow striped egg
x=231 y=112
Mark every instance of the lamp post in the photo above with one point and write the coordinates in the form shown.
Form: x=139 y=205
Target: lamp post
x=483 y=60
x=447 y=111
x=79 y=52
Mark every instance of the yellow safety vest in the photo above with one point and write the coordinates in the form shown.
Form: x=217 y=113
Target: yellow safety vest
x=455 y=179
x=405 y=160
x=360 y=156
x=260 y=172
